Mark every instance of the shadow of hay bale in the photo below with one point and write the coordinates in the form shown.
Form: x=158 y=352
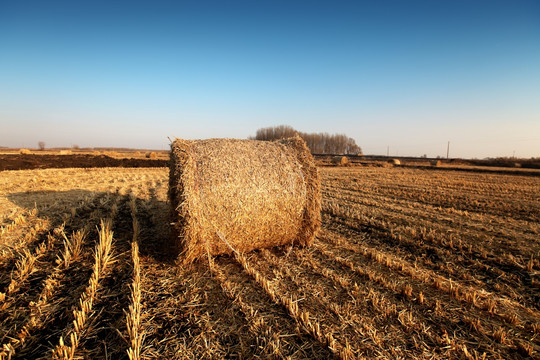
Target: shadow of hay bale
x=152 y=215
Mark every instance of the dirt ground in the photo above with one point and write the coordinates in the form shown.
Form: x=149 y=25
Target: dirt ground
x=31 y=161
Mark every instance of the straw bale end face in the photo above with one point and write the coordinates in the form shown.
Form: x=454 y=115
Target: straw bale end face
x=340 y=160
x=239 y=195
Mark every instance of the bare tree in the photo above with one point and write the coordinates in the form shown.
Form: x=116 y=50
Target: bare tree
x=41 y=145
x=321 y=143
x=275 y=133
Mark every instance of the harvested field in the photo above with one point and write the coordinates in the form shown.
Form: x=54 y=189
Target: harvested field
x=409 y=263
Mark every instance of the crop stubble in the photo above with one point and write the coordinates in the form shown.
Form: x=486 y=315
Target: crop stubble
x=409 y=263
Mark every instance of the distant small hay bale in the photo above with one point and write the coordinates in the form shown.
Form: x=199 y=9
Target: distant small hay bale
x=96 y=153
x=517 y=165
x=65 y=152
x=110 y=153
x=151 y=155
x=244 y=194
x=25 y=152
x=435 y=163
x=394 y=162
x=340 y=160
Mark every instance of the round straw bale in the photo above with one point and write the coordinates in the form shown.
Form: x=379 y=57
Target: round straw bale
x=230 y=194
x=340 y=160
x=24 y=151
x=435 y=163
x=394 y=162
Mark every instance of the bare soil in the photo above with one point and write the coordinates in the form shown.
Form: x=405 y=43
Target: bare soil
x=26 y=162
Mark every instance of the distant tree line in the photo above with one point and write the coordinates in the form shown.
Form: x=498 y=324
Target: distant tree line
x=318 y=143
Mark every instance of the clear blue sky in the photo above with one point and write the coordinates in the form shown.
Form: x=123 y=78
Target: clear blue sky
x=410 y=75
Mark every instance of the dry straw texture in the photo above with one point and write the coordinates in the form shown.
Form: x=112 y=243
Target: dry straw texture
x=340 y=160
x=242 y=194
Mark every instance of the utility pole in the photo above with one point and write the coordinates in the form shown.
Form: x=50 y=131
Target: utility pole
x=447 y=150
